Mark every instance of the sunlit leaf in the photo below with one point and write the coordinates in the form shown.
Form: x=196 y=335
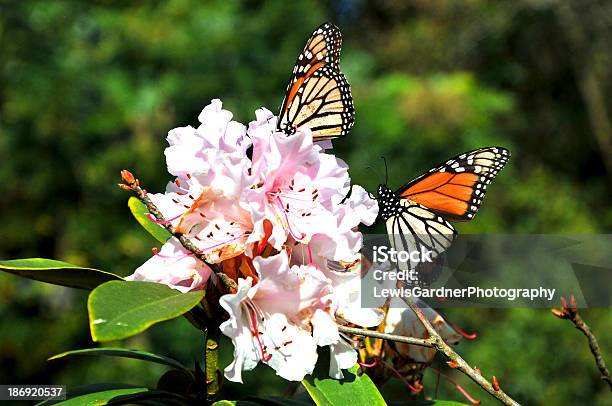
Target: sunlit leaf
x=57 y=272
x=119 y=310
x=359 y=389
x=139 y=211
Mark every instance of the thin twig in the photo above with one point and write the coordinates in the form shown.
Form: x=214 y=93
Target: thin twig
x=132 y=184
x=423 y=342
x=569 y=311
x=457 y=361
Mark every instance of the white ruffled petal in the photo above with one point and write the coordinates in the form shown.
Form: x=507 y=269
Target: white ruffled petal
x=342 y=356
x=325 y=329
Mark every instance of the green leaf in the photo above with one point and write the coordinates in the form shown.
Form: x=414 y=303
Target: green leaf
x=121 y=396
x=262 y=400
x=122 y=352
x=326 y=391
x=139 y=211
x=57 y=272
x=119 y=310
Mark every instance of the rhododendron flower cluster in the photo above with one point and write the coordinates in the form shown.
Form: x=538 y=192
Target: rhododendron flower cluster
x=270 y=209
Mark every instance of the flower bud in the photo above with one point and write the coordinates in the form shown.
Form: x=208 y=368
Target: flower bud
x=128 y=178
x=495 y=383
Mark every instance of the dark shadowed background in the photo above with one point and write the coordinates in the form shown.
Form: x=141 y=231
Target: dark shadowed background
x=87 y=89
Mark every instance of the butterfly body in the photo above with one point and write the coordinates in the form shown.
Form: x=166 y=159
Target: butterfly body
x=389 y=202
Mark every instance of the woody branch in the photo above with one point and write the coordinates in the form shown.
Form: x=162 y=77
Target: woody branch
x=457 y=362
x=436 y=342
x=569 y=311
x=132 y=184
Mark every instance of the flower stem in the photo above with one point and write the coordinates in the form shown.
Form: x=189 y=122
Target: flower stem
x=213 y=375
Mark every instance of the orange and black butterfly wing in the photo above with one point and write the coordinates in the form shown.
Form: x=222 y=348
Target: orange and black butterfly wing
x=456 y=188
x=413 y=227
x=318 y=96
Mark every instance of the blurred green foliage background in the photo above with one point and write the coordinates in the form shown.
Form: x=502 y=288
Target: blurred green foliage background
x=90 y=88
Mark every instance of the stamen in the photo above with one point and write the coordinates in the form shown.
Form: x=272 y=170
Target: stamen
x=459 y=387
x=293 y=234
x=457 y=329
x=467 y=395
x=401 y=378
x=309 y=254
x=153 y=219
x=265 y=357
x=219 y=244
x=370 y=365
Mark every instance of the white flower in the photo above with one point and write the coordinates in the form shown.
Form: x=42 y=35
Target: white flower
x=269 y=319
x=173 y=266
x=296 y=186
x=218 y=132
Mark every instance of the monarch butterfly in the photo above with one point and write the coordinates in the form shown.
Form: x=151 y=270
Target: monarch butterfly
x=318 y=96
x=417 y=214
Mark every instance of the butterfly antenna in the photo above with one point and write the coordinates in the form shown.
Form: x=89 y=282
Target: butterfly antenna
x=386 y=170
